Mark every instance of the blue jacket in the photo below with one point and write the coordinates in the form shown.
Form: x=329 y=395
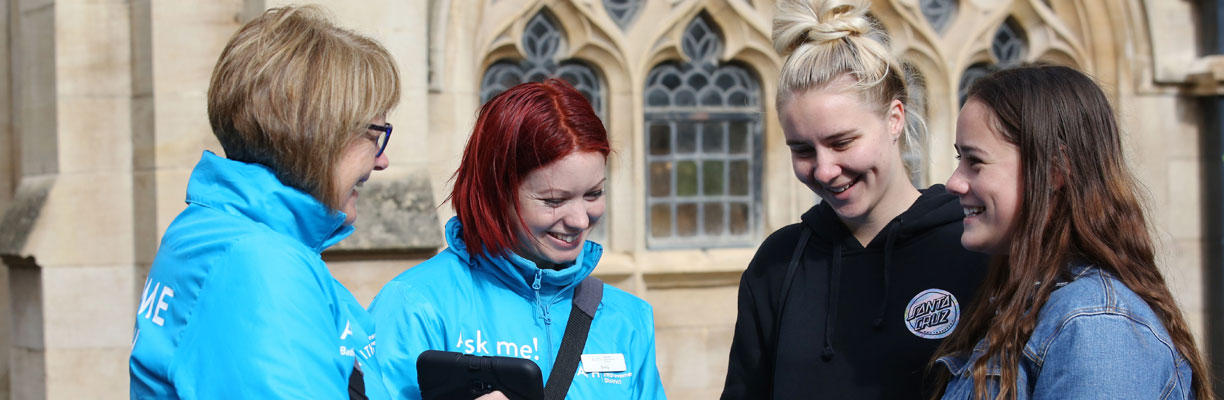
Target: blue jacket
x=238 y=303
x=506 y=306
x=1094 y=339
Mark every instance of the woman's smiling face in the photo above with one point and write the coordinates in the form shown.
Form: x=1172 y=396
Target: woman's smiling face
x=987 y=179
x=845 y=151
x=560 y=203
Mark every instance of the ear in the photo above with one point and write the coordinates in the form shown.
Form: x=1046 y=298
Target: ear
x=895 y=117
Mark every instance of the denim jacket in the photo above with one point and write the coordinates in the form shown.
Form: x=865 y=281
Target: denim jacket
x=1094 y=339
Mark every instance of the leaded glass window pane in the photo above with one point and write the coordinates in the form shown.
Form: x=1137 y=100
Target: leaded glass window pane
x=1009 y=44
x=973 y=73
x=939 y=13
x=704 y=138
x=623 y=11
x=542 y=40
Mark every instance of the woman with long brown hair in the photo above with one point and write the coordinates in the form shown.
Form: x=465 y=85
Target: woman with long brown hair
x=1074 y=305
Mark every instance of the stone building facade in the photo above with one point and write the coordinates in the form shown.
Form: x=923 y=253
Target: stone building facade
x=102 y=117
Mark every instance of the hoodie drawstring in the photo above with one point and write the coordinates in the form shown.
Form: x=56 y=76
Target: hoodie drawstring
x=834 y=288
x=888 y=249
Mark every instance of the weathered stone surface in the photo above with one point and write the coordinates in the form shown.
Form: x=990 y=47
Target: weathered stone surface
x=396 y=215
x=25 y=287
x=87 y=373
x=29 y=380
x=19 y=219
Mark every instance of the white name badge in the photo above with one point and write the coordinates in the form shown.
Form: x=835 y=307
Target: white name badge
x=603 y=362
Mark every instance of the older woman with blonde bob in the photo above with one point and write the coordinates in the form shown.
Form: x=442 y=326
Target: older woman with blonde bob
x=238 y=303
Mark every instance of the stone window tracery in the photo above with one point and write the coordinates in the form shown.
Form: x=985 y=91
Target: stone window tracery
x=703 y=139
x=623 y=11
x=541 y=42
x=939 y=13
x=1008 y=46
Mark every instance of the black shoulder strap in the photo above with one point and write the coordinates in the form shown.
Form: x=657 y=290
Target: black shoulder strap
x=586 y=300
x=357 y=383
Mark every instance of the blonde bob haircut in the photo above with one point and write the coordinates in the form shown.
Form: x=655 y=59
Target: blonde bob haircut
x=291 y=91
x=822 y=40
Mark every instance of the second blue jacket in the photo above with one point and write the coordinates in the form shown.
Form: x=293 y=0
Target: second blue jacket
x=506 y=306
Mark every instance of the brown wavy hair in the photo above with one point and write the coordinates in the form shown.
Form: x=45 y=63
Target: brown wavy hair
x=1064 y=128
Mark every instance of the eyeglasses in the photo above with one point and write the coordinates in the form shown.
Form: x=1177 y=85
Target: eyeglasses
x=382 y=139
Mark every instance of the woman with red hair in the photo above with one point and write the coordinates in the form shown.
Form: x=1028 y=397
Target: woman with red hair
x=528 y=192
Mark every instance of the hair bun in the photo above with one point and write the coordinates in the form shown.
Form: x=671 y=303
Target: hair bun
x=798 y=22
x=840 y=27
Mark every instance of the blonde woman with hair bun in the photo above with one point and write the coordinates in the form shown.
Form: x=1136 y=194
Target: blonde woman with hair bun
x=852 y=301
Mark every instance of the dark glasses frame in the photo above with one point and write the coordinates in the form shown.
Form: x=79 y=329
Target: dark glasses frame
x=382 y=139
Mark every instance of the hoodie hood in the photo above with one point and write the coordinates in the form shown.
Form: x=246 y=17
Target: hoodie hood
x=522 y=275
x=253 y=191
x=935 y=207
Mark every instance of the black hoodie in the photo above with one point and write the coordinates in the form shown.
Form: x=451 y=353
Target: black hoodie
x=844 y=332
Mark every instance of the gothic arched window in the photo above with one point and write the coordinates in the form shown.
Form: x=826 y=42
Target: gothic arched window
x=541 y=42
x=1008 y=47
x=703 y=139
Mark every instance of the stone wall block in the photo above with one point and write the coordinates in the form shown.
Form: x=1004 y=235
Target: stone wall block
x=95 y=134
x=81 y=29
x=22 y=213
x=676 y=306
x=29 y=374
x=171 y=198
x=88 y=306
x=32 y=5
x=25 y=287
x=87 y=220
x=693 y=361
x=1184 y=218
x=88 y=373
x=187 y=39
x=142 y=136
x=144 y=216
x=395 y=214
x=1185 y=275
x=141 y=31
x=34 y=91
x=181 y=131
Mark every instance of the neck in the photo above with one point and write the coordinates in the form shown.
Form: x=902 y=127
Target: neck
x=548 y=265
x=900 y=195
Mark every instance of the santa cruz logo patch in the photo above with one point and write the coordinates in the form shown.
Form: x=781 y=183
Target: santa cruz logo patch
x=932 y=314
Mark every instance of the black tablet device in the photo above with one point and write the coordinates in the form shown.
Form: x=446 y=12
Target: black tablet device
x=444 y=375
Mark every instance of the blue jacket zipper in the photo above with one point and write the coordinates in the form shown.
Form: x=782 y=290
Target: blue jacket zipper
x=547 y=320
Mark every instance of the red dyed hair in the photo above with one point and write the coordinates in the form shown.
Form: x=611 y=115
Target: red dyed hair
x=520 y=130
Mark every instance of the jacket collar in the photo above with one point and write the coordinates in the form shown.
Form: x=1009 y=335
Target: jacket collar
x=520 y=274
x=252 y=191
